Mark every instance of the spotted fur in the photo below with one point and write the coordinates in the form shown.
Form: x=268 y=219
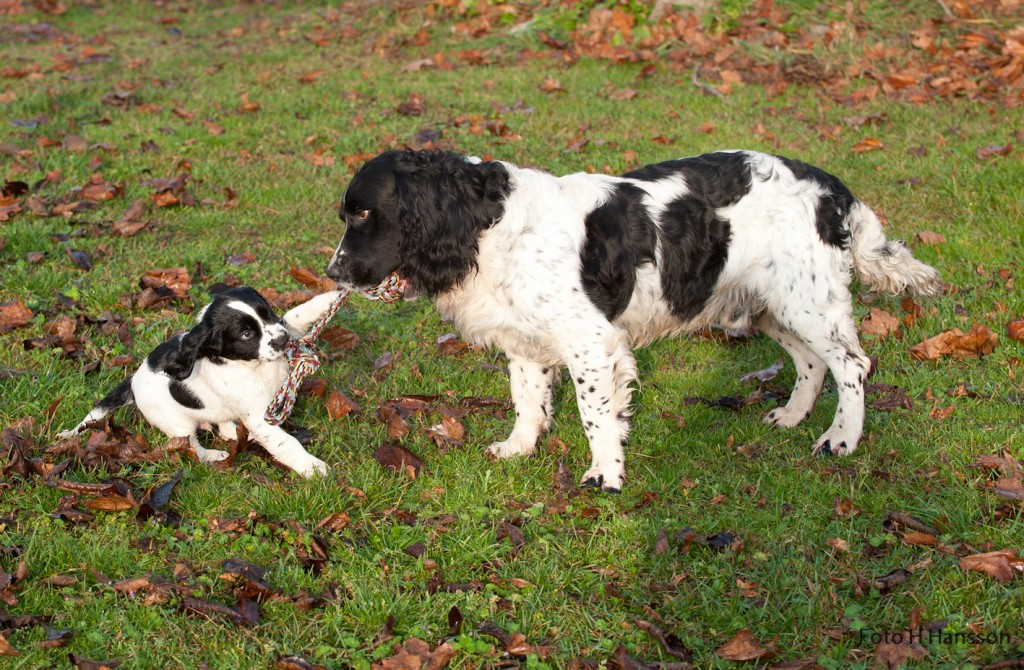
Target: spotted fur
x=225 y=370
x=576 y=271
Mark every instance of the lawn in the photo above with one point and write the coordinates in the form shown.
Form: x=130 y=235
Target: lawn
x=215 y=140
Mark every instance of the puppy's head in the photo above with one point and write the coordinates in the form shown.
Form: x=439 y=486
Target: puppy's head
x=419 y=213
x=237 y=325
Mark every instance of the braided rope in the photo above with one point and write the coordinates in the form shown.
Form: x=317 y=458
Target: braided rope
x=301 y=357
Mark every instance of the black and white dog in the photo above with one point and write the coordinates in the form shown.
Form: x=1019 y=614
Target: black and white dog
x=225 y=370
x=576 y=270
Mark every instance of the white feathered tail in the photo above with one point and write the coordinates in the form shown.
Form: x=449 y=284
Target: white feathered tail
x=883 y=264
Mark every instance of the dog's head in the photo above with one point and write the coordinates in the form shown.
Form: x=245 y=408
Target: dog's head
x=237 y=325
x=419 y=213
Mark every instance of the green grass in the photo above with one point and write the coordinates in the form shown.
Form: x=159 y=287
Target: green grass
x=589 y=562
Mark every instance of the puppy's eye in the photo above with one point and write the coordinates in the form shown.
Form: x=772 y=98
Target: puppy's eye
x=247 y=335
x=363 y=214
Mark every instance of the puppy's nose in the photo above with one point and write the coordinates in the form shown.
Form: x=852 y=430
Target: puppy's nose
x=280 y=341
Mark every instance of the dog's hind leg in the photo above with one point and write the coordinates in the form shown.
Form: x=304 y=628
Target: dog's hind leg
x=832 y=336
x=120 y=396
x=810 y=375
x=603 y=370
x=206 y=455
x=530 y=384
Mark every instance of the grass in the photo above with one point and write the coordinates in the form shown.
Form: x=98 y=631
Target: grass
x=588 y=569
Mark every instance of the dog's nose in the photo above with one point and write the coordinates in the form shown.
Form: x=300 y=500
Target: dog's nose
x=280 y=341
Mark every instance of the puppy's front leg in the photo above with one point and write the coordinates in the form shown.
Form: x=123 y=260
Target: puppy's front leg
x=299 y=319
x=530 y=384
x=284 y=448
x=602 y=369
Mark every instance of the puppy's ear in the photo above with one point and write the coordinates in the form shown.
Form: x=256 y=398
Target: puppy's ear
x=196 y=343
x=443 y=207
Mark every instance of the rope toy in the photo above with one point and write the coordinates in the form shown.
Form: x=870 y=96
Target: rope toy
x=301 y=357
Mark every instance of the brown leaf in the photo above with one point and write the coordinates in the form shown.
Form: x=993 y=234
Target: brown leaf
x=1002 y=565
x=75 y=143
x=624 y=94
x=14 y=315
x=743 y=647
x=1015 y=330
x=82 y=663
x=398 y=459
x=867 y=144
x=449 y=344
x=669 y=642
x=896 y=648
x=338 y=337
x=978 y=341
x=766 y=375
x=513 y=534
x=111 y=503
x=6 y=649
x=449 y=432
x=335 y=522
x=880 y=323
x=175 y=280
x=920 y=539
x=552 y=85
x=986 y=152
x=414 y=105
x=930 y=237
x=340 y=405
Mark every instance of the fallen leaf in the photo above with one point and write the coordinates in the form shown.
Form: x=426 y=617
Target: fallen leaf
x=1002 y=565
x=978 y=341
x=880 y=323
x=867 y=144
x=397 y=458
x=743 y=647
x=930 y=237
x=82 y=663
x=14 y=315
x=986 y=152
x=1015 y=330
x=340 y=405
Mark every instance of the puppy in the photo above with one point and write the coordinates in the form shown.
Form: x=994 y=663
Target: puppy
x=575 y=271
x=223 y=371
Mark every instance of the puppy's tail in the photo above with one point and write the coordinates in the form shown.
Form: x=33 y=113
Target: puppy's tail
x=883 y=264
x=119 y=397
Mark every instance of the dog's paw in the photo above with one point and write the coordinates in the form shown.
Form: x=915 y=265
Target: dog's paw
x=509 y=448
x=831 y=445
x=595 y=478
x=784 y=417
x=210 y=455
x=66 y=434
x=313 y=467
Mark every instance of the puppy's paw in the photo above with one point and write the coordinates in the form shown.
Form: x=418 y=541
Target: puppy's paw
x=784 y=417
x=210 y=455
x=66 y=434
x=509 y=448
x=605 y=479
x=312 y=467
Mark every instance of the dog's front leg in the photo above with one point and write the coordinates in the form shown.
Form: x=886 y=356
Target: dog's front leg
x=602 y=369
x=299 y=319
x=531 y=395
x=284 y=448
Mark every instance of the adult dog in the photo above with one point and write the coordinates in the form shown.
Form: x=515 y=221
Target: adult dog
x=577 y=270
x=225 y=370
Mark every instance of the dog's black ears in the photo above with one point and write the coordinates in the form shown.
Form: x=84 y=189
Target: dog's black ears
x=445 y=201
x=199 y=342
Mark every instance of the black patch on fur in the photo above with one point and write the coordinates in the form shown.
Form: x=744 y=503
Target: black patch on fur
x=719 y=179
x=620 y=238
x=219 y=335
x=833 y=207
x=120 y=396
x=694 y=240
x=426 y=210
x=184 y=396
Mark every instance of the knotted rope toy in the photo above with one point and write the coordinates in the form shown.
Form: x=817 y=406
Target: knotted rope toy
x=301 y=357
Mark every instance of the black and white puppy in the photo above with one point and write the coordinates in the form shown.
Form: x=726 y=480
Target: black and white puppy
x=577 y=270
x=225 y=370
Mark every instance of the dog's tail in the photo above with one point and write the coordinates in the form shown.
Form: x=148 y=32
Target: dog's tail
x=119 y=397
x=883 y=264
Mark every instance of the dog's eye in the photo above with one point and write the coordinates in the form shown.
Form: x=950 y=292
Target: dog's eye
x=247 y=335
x=363 y=214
